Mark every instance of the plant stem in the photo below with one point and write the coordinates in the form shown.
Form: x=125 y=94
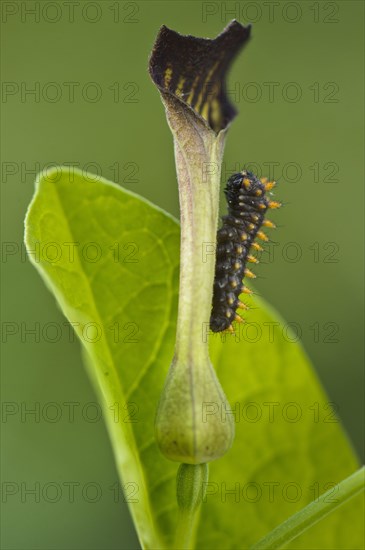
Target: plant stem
x=314 y=512
x=184 y=530
x=191 y=482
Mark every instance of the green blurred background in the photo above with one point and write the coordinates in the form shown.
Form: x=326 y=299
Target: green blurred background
x=298 y=87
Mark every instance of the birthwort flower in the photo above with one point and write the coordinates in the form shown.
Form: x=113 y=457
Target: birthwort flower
x=190 y=75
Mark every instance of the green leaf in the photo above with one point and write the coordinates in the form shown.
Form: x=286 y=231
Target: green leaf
x=119 y=290
x=279 y=462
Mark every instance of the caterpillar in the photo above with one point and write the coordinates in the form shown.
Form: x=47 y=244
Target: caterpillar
x=247 y=206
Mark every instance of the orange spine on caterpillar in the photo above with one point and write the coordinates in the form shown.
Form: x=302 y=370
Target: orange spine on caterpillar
x=247 y=206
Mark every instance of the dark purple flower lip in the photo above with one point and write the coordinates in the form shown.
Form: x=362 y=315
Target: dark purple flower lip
x=193 y=70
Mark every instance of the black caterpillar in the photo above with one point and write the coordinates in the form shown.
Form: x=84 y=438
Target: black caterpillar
x=247 y=205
